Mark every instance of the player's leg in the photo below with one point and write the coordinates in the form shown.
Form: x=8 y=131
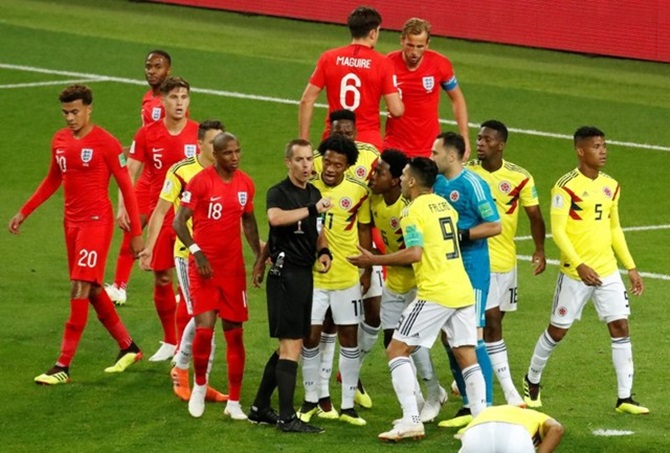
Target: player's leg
x=368 y=329
x=182 y=358
x=311 y=356
x=327 y=342
x=125 y=261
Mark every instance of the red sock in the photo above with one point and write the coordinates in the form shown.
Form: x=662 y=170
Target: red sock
x=202 y=346
x=124 y=263
x=74 y=327
x=107 y=315
x=166 y=307
x=182 y=315
x=235 y=355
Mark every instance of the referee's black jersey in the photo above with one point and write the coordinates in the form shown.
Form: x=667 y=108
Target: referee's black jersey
x=297 y=241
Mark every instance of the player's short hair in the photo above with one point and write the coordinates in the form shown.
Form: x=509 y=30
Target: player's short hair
x=497 y=126
x=416 y=26
x=288 y=151
x=362 y=20
x=396 y=160
x=163 y=54
x=172 y=82
x=454 y=141
x=343 y=114
x=585 y=132
x=424 y=170
x=209 y=125
x=76 y=92
x=222 y=139
x=342 y=145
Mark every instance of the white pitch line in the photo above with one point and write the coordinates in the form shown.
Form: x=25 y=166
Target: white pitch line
x=232 y=94
x=637 y=228
x=621 y=271
x=43 y=84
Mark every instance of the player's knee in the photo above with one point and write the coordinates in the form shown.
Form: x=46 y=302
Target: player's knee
x=162 y=278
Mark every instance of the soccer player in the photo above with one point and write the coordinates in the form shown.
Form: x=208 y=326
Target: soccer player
x=218 y=199
x=84 y=156
x=157 y=67
x=175 y=182
x=421 y=75
x=478 y=219
x=355 y=77
x=512 y=187
x=444 y=300
x=294 y=208
x=511 y=429
x=585 y=226
x=155 y=148
x=346 y=224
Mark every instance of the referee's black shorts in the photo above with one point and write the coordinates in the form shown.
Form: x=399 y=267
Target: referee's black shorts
x=289 y=299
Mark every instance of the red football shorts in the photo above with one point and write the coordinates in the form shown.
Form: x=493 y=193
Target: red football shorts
x=163 y=254
x=226 y=295
x=87 y=247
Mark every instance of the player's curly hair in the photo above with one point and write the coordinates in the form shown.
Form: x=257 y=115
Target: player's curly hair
x=396 y=160
x=343 y=114
x=76 y=92
x=499 y=127
x=585 y=132
x=163 y=54
x=342 y=145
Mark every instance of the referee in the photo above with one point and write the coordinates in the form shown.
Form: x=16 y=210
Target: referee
x=293 y=208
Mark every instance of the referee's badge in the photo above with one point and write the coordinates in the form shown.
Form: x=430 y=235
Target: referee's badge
x=242 y=198
x=86 y=155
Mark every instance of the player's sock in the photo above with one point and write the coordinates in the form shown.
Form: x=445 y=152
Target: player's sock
x=426 y=370
x=311 y=360
x=543 y=349
x=182 y=316
x=212 y=352
x=183 y=355
x=74 y=327
x=458 y=374
x=109 y=318
x=268 y=383
x=166 y=307
x=487 y=369
x=622 y=357
x=124 y=263
x=350 y=367
x=367 y=337
x=286 y=372
x=403 y=379
x=475 y=388
x=327 y=355
x=500 y=363
x=202 y=344
x=235 y=355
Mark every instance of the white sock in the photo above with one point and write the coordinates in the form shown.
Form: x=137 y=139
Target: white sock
x=418 y=394
x=183 y=356
x=426 y=370
x=543 y=348
x=327 y=350
x=475 y=387
x=622 y=356
x=498 y=354
x=310 y=373
x=350 y=367
x=403 y=379
x=367 y=337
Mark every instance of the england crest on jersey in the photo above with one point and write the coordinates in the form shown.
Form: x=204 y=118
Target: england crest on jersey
x=242 y=198
x=156 y=113
x=428 y=83
x=190 y=150
x=86 y=155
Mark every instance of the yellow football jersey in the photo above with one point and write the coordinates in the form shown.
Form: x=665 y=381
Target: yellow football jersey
x=512 y=188
x=585 y=223
x=350 y=206
x=368 y=156
x=175 y=181
x=430 y=222
x=386 y=218
x=531 y=420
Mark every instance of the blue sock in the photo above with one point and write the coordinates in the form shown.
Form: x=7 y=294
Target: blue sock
x=458 y=376
x=487 y=370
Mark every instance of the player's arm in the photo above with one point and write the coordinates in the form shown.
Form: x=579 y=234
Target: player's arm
x=281 y=217
x=259 y=266
x=129 y=200
x=181 y=229
x=153 y=229
x=538 y=232
x=394 y=104
x=47 y=187
x=324 y=257
x=551 y=437
x=483 y=230
x=134 y=168
x=460 y=110
x=365 y=242
x=402 y=257
x=306 y=109
x=621 y=249
x=250 y=228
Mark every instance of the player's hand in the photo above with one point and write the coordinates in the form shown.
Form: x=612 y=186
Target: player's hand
x=362 y=260
x=588 y=275
x=15 y=223
x=122 y=219
x=202 y=264
x=366 y=280
x=323 y=205
x=324 y=263
x=636 y=284
x=136 y=245
x=145 y=259
x=258 y=273
x=539 y=262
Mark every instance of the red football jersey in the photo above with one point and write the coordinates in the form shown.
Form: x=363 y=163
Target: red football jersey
x=84 y=166
x=356 y=77
x=152 y=108
x=157 y=149
x=217 y=209
x=415 y=131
